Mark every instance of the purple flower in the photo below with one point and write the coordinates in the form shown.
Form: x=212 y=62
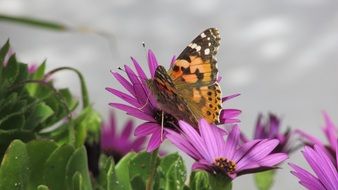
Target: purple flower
x=330 y=131
x=32 y=68
x=326 y=173
x=119 y=145
x=269 y=128
x=140 y=103
x=213 y=153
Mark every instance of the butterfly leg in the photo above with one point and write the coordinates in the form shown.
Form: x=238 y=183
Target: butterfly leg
x=162 y=125
x=145 y=104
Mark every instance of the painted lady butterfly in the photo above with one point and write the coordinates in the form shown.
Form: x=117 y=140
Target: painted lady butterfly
x=189 y=90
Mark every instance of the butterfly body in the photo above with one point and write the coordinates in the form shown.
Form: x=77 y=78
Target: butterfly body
x=189 y=90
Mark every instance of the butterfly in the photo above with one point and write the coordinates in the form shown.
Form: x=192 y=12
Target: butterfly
x=189 y=90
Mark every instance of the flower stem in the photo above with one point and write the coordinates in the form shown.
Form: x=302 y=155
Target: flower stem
x=153 y=166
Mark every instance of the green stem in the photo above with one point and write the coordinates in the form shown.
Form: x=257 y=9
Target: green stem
x=33 y=22
x=84 y=91
x=153 y=165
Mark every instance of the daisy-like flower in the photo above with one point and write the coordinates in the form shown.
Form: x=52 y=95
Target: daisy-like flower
x=140 y=103
x=269 y=128
x=118 y=145
x=230 y=157
x=326 y=171
x=331 y=133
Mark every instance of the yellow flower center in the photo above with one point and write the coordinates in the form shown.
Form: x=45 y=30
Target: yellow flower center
x=224 y=164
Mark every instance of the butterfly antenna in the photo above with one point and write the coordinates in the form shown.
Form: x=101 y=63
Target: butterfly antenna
x=162 y=125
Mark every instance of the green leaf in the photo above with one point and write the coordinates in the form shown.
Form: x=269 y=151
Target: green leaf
x=111 y=178
x=39 y=114
x=199 y=180
x=220 y=181
x=55 y=167
x=122 y=172
x=106 y=176
x=37 y=75
x=78 y=163
x=77 y=181
x=42 y=187
x=140 y=165
x=38 y=153
x=138 y=183
x=264 y=180
x=33 y=22
x=87 y=125
x=3 y=52
x=202 y=180
x=11 y=71
x=6 y=137
x=14 y=173
x=176 y=175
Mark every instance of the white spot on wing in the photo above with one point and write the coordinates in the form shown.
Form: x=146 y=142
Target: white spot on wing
x=198 y=48
x=203 y=35
x=193 y=46
x=207 y=51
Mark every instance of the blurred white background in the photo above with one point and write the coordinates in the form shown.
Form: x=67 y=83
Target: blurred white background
x=282 y=56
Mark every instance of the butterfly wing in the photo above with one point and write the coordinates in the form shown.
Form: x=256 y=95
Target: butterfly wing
x=196 y=65
x=195 y=73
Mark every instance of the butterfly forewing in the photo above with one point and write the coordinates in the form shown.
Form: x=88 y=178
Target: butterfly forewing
x=197 y=63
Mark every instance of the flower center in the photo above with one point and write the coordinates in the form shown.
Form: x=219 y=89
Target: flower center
x=224 y=164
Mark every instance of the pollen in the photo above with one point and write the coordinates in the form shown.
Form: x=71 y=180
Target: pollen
x=225 y=165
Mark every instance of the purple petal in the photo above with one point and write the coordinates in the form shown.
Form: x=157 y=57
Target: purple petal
x=230 y=113
x=322 y=166
x=330 y=131
x=133 y=111
x=274 y=123
x=173 y=60
x=201 y=165
x=307 y=137
x=273 y=159
x=152 y=62
x=231 y=143
x=131 y=75
x=155 y=141
x=127 y=130
x=306 y=179
x=244 y=149
x=258 y=152
x=183 y=144
x=259 y=130
x=146 y=129
x=209 y=138
x=195 y=139
x=229 y=97
x=143 y=98
x=124 y=96
x=139 y=69
x=138 y=143
x=126 y=84
x=327 y=164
